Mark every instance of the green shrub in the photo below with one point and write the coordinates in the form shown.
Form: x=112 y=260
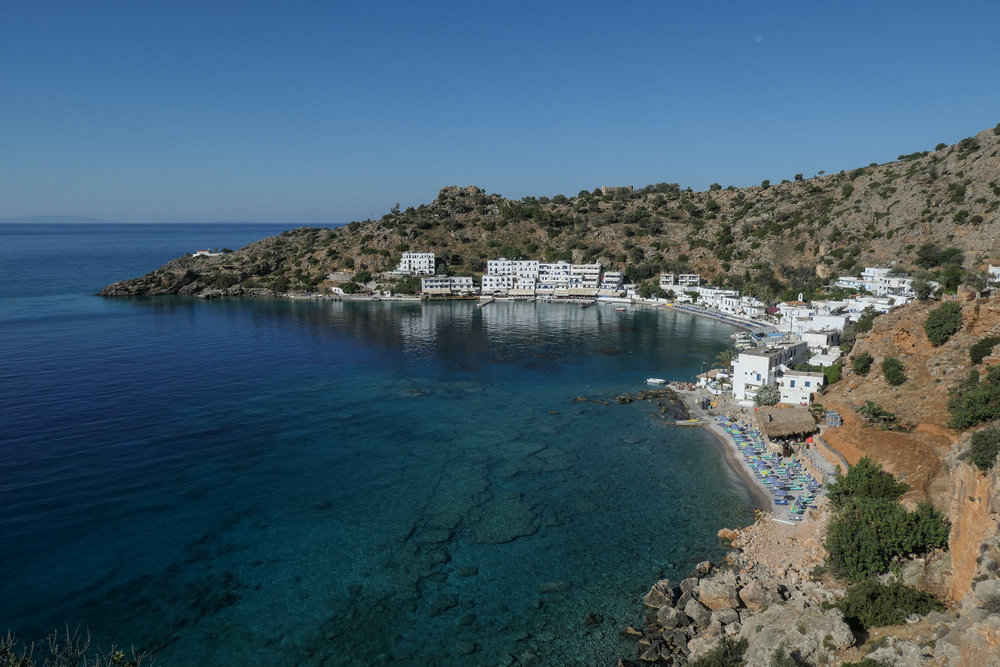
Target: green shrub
x=729 y=653
x=982 y=349
x=865 y=480
x=871 y=529
x=782 y=658
x=832 y=372
x=864 y=537
x=892 y=370
x=226 y=280
x=879 y=416
x=943 y=322
x=985 y=447
x=973 y=401
x=862 y=363
x=928 y=529
x=869 y=604
x=768 y=394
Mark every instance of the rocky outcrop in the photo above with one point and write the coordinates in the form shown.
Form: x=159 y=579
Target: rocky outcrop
x=974 y=512
x=810 y=634
x=709 y=606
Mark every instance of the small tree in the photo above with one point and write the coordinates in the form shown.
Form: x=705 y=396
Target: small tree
x=985 y=447
x=892 y=370
x=768 y=394
x=982 y=349
x=870 y=604
x=943 y=322
x=865 y=479
x=923 y=289
x=973 y=401
x=862 y=363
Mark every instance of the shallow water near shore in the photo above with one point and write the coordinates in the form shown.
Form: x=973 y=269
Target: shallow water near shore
x=270 y=482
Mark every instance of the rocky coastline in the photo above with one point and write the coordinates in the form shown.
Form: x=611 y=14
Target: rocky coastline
x=771 y=591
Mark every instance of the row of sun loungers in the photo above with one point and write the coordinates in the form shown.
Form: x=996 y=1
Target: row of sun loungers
x=790 y=484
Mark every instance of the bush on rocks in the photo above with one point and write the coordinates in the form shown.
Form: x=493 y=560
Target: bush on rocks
x=871 y=529
x=862 y=363
x=865 y=480
x=943 y=322
x=729 y=653
x=870 y=603
x=985 y=447
x=892 y=371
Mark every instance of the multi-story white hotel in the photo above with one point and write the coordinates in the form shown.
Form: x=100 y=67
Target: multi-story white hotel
x=447 y=285
x=553 y=276
x=524 y=277
x=758 y=366
x=520 y=268
x=668 y=280
x=416 y=263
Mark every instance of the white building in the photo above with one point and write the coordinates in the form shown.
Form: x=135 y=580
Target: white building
x=494 y=284
x=850 y=282
x=416 y=263
x=666 y=281
x=447 y=285
x=612 y=280
x=820 y=340
x=758 y=366
x=524 y=268
x=798 y=387
x=553 y=277
x=585 y=277
x=994 y=274
x=752 y=307
x=880 y=281
x=688 y=279
x=717 y=297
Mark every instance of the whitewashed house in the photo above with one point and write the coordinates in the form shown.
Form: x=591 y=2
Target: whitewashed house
x=757 y=366
x=415 y=263
x=444 y=285
x=798 y=387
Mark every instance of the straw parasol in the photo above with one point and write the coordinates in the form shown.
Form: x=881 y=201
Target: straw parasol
x=786 y=422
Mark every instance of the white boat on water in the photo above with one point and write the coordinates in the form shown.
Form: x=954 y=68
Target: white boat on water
x=656 y=381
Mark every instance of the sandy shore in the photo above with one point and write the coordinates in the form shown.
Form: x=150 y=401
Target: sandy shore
x=731 y=452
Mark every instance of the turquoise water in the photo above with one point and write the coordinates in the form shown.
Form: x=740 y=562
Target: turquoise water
x=243 y=482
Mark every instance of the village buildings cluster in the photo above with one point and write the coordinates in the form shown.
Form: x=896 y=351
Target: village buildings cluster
x=777 y=339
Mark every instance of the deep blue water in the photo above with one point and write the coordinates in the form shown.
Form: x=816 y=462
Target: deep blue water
x=249 y=482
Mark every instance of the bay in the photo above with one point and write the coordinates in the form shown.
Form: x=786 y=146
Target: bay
x=244 y=482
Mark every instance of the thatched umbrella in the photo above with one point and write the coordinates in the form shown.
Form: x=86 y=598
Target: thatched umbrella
x=786 y=422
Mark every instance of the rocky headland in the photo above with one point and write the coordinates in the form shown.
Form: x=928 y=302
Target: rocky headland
x=764 y=239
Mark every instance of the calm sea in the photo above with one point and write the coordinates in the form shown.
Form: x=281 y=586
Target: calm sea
x=250 y=482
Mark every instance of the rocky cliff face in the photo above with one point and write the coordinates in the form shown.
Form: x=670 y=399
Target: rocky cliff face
x=975 y=512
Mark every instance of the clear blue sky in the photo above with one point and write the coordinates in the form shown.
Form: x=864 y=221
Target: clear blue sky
x=333 y=111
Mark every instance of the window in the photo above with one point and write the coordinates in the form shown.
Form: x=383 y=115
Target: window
x=791 y=383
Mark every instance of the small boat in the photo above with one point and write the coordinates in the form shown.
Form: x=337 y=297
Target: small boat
x=656 y=381
x=619 y=310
